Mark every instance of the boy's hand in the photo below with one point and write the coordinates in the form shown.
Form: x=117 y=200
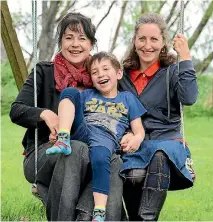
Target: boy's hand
x=125 y=139
x=132 y=145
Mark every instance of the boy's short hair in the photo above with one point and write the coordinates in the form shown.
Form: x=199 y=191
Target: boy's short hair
x=103 y=55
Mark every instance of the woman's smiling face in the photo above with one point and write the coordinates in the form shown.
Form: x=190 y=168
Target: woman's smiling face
x=75 y=46
x=148 y=44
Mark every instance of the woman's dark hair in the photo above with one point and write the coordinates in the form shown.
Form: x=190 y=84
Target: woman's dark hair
x=103 y=55
x=73 y=20
x=132 y=60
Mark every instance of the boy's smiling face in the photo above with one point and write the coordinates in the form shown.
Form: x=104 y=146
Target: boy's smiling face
x=105 y=77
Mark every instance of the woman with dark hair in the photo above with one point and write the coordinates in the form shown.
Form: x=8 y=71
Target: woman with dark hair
x=61 y=179
x=151 y=75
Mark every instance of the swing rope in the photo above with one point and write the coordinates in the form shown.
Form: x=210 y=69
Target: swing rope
x=189 y=161
x=181 y=30
x=34 y=30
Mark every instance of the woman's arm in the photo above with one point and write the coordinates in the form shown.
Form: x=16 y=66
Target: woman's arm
x=22 y=110
x=184 y=81
x=135 y=141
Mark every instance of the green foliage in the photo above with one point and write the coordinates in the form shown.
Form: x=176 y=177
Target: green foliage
x=205 y=91
x=9 y=89
x=194 y=204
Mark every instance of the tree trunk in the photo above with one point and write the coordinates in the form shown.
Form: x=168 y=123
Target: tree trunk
x=12 y=46
x=47 y=38
x=202 y=24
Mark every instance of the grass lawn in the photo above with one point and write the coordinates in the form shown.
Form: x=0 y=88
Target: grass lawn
x=194 y=204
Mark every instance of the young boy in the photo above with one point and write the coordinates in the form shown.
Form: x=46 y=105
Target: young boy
x=100 y=118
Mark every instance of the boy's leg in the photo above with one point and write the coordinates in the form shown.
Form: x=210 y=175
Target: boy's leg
x=114 y=202
x=100 y=160
x=70 y=112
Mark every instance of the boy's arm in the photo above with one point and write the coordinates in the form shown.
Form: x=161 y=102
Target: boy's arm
x=135 y=141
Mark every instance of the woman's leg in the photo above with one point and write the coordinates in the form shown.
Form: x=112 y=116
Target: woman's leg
x=60 y=179
x=155 y=187
x=134 y=180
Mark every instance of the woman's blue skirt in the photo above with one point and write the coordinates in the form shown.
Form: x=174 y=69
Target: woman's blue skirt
x=180 y=177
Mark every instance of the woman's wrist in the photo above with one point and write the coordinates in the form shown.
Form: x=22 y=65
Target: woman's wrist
x=43 y=114
x=185 y=57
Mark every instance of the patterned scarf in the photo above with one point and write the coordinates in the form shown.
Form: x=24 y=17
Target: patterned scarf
x=66 y=75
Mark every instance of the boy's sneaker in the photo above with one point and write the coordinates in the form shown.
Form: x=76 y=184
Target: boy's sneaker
x=62 y=145
x=98 y=215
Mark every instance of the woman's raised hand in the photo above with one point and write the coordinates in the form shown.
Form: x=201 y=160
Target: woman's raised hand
x=51 y=119
x=180 y=45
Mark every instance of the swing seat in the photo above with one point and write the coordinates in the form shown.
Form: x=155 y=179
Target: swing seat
x=189 y=166
x=34 y=191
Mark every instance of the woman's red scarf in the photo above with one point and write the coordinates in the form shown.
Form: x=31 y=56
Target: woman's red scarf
x=66 y=75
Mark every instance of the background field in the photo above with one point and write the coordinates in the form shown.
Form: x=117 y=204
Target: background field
x=194 y=204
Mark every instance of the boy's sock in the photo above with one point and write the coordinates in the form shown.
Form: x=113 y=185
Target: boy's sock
x=98 y=214
x=62 y=145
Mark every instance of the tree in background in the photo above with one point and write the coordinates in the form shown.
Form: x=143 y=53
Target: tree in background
x=52 y=13
x=170 y=10
x=127 y=13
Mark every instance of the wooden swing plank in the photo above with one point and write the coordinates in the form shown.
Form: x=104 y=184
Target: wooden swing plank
x=12 y=46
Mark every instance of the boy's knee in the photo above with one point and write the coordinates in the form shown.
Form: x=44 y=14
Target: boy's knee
x=99 y=162
x=69 y=90
x=100 y=156
x=70 y=93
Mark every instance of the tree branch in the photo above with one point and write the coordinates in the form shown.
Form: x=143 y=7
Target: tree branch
x=110 y=7
x=118 y=26
x=162 y=3
x=68 y=6
x=171 y=11
x=201 y=25
x=144 y=7
x=201 y=67
x=85 y=6
x=178 y=15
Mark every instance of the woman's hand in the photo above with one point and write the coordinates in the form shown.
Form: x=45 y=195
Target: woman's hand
x=51 y=119
x=53 y=137
x=133 y=144
x=180 y=45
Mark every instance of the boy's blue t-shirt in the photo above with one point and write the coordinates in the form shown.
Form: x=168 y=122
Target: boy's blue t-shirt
x=108 y=118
